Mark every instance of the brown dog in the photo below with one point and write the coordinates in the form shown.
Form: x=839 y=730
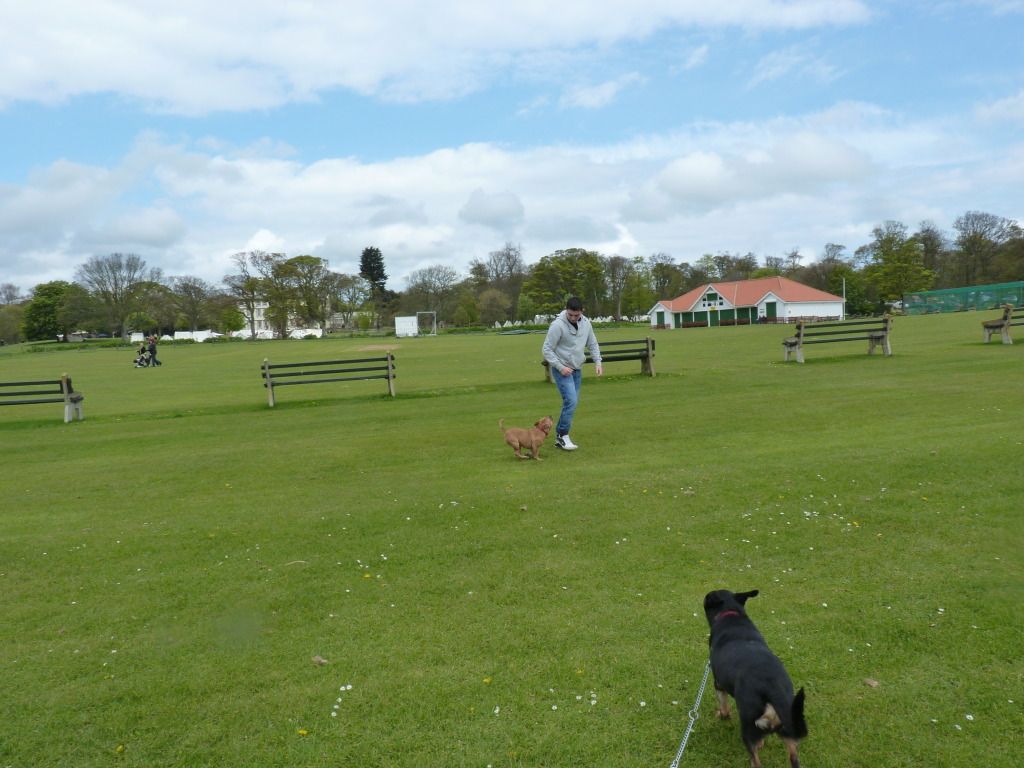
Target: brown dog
x=532 y=438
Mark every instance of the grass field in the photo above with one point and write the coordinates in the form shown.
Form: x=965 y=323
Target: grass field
x=170 y=566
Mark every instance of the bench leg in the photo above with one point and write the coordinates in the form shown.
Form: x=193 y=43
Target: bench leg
x=1006 y=335
x=800 y=354
x=988 y=334
x=71 y=411
x=885 y=346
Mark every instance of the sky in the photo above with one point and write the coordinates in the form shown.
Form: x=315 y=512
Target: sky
x=438 y=131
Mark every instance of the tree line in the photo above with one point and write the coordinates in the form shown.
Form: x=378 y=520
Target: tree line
x=118 y=292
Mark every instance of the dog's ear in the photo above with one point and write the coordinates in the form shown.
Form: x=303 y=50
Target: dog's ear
x=713 y=601
x=744 y=596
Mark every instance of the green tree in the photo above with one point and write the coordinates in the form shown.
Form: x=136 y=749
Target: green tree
x=897 y=263
x=494 y=306
x=371 y=268
x=277 y=288
x=41 y=319
x=565 y=273
x=467 y=312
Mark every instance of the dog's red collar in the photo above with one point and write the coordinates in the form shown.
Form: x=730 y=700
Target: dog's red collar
x=723 y=614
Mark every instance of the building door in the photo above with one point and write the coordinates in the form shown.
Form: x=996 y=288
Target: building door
x=770 y=310
x=661 y=319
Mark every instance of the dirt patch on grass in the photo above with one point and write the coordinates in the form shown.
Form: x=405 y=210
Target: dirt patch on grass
x=379 y=348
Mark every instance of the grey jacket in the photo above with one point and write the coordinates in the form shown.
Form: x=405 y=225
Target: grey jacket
x=567 y=346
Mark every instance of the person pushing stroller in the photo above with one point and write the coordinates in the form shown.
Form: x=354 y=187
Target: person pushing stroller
x=142 y=358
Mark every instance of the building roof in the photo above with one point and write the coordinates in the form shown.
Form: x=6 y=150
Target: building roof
x=747 y=293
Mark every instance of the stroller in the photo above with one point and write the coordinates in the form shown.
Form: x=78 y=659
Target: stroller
x=142 y=358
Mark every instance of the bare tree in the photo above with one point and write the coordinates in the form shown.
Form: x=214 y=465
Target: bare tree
x=245 y=288
x=314 y=285
x=979 y=238
x=113 y=280
x=617 y=271
x=191 y=296
x=351 y=292
x=666 y=276
x=9 y=294
x=432 y=289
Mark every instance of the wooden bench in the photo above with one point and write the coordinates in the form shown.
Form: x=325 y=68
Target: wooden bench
x=636 y=349
x=1011 y=316
x=49 y=391
x=325 y=371
x=875 y=331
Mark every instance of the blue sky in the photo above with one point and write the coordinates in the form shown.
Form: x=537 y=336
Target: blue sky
x=439 y=131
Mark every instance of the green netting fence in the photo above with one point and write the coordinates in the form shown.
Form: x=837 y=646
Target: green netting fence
x=963 y=299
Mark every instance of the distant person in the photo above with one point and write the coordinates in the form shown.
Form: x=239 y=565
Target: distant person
x=142 y=358
x=570 y=337
x=152 y=351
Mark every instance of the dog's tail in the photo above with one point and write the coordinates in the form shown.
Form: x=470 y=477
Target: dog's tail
x=796 y=716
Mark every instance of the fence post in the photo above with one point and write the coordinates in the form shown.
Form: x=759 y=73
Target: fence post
x=268 y=381
x=391 y=377
x=648 y=364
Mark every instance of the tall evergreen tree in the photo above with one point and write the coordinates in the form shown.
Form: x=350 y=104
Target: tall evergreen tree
x=371 y=268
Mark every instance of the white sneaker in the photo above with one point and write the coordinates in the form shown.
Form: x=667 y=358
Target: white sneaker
x=565 y=443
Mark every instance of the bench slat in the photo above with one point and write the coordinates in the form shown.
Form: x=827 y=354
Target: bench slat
x=30 y=392
x=276 y=376
x=845 y=338
x=325 y=381
x=272 y=366
x=50 y=382
x=861 y=331
x=32 y=402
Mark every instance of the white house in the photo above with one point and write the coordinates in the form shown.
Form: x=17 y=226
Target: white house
x=767 y=299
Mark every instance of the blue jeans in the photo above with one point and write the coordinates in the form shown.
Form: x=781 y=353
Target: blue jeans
x=569 y=389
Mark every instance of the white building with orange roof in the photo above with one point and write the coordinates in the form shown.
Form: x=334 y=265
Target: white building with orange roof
x=740 y=302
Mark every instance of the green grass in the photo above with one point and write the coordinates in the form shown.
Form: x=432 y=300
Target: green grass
x=169 y=566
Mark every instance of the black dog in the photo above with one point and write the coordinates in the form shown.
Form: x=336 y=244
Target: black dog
x=746 y=669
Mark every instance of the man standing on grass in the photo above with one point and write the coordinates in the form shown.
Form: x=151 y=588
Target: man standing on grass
x=569 y=338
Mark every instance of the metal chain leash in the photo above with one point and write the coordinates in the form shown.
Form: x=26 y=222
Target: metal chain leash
x=694 y=714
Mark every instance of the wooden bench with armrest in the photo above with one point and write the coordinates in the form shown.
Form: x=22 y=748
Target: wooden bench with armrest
x=873 y=330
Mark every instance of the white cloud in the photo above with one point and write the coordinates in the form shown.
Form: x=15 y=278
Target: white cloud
x=601 y=95
x=1009 y=109
x=760 y=186
x=779 y=64
x=502 y=211
x=193 y=57
x=697 y=57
